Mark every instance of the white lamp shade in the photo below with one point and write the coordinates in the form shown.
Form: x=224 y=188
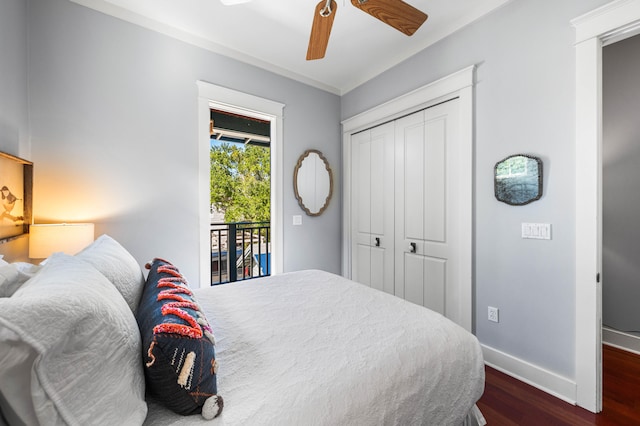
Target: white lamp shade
x=68 y=238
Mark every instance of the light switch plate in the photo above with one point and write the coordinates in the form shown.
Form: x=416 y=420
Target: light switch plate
x=297 y=220
x=536 y=231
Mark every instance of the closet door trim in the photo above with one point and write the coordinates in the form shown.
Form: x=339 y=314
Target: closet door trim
x=457 y=85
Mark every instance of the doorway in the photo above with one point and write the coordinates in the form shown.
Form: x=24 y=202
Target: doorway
x=240 y=197
x=211 y=96
x=612 y=22
x=621 y=176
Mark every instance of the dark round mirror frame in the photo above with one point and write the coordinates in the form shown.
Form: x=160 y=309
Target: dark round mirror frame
x=498 y=191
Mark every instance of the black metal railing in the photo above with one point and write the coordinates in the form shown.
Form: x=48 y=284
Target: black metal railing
x=240 y=251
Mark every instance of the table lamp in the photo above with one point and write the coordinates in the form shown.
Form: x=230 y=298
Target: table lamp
x=69 y=238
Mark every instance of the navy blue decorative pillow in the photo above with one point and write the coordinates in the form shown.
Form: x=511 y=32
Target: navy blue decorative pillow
x=177 y=344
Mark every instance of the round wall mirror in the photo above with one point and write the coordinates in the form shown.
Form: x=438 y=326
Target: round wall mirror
x=313 y=182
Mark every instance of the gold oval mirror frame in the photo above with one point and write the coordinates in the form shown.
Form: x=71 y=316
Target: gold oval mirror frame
x=313 y=182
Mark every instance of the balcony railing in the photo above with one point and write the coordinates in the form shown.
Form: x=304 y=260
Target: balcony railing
x=240 y=251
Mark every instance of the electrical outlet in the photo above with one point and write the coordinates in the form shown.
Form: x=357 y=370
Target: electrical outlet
x=492 y=314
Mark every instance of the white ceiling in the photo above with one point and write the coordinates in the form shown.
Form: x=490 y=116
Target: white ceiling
x=273 y=34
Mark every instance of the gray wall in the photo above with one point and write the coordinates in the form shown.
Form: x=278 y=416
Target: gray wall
x=14 y=117
x=14 y=123
x=113 y=112
x=621 y=185
x=525 y=103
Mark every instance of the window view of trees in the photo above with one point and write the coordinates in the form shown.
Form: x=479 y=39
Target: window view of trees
x=240 y=182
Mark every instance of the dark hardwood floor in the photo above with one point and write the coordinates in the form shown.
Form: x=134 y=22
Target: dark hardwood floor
x=507 y=401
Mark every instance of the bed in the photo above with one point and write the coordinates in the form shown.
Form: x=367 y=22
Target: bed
x=301 y=348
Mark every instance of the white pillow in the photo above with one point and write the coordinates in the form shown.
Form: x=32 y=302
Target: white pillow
x=118 y=265
x=70 y=350
x=13 y=275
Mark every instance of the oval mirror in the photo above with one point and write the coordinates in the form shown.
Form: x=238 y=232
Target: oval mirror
x=518 y=180
x=312 y=182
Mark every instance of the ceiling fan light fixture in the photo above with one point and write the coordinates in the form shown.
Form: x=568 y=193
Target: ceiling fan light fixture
x=232 y=2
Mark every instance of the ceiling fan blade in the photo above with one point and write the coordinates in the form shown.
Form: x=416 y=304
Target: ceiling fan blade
x=321 y=29
x=396 y=13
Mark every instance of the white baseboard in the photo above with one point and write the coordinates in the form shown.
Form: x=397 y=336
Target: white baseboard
x=547 y=381
x=621 y=340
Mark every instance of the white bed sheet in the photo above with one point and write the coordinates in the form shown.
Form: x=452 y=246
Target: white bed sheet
x=313 y=348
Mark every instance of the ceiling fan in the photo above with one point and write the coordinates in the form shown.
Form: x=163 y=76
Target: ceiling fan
x=232 y=2
x=396 y=13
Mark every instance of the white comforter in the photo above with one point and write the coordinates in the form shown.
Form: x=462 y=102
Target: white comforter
x=313 y=348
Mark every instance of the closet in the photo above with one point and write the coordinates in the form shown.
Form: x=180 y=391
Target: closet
x=405 y=210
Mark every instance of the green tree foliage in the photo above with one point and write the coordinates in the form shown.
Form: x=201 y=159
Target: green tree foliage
x=240 y=182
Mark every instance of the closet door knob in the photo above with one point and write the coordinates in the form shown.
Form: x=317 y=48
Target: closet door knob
x=413 y=248
x=377 y=242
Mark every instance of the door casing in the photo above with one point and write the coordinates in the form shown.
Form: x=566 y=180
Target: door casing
x=211 y=95
x=612 y=22
x=457 y=85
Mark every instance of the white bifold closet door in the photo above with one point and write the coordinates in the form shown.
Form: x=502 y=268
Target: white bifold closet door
x=372 y=212
x=404 y=217
x=426 y=234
